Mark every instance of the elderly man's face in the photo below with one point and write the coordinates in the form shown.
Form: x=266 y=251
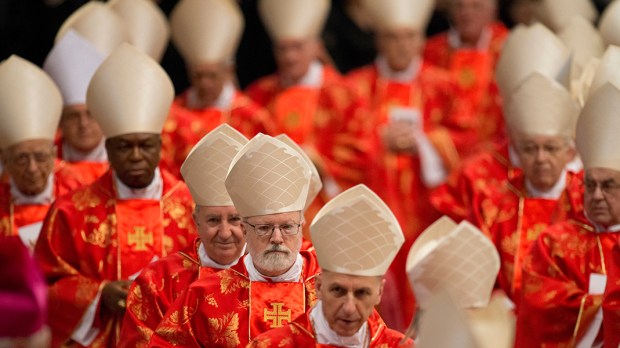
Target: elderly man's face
x=29 y=164
x=602 y=196
x=220 y=232
x=543 y=158
x=399 y=46
x=79 y=128
x=471 y=17
x=294 y=56
x=208 y=79
x=348 y=300
x=273 y=253
x=134 y=157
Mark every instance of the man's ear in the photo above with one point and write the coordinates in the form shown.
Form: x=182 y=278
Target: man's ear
x=317 y=285
x=381 y=287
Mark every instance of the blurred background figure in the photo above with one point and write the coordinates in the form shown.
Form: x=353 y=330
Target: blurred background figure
x=207 y=33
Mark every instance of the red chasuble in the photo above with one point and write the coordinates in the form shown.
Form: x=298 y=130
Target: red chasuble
x=514 y=221
x=473 y=70
x=331 y=123
x=67 y=177
x=157 y=287
x=397 y=177
x=226 y=309
x=300 y=333
x=475 y=178
x=185 y=126
x=89 y=237
x=556 y=308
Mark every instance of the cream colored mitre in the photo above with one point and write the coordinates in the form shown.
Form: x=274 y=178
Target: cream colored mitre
x=293 y=19
x=315 y=181
x=529 y=49
x=207 y=31
x=268 y=177
x=580 y=86
x=608 y=69
x=356 y=234
x=71 y=63
x=584 y=40
x=446 y=325
x=541 y=106
x=609 y=25
x=130 y=93
x=598 y=128
x=556 y=14
x=30 y=103
x=458 y=258
x=97 y=23
x=389 y=14
x=147 y=26
x=206 y=165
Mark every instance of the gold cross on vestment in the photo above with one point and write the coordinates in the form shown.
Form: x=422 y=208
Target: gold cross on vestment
x=140 y=238
x=277 y=315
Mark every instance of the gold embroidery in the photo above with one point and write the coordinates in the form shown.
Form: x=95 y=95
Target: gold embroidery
x=225 y=329
x=83 y=199
x=263 y=343
x=509 y=243
x=229 y=282
x=285 y=342
x=277 y=315
x=140 y=238
x=137 y=307
x=211 y=300
x=99 y=236
x=172 y=335
x=533 y=233
x=177 y=212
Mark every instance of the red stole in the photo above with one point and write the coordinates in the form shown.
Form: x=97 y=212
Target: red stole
x=294 y=109
x=472 y=71
x=535 y=214
x=140 y=235
x=273 y=309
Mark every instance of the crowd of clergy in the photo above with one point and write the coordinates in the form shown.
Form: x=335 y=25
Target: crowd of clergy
x=462 y=190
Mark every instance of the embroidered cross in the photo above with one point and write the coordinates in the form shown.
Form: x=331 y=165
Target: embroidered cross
x=140 y=238
x=277 y=315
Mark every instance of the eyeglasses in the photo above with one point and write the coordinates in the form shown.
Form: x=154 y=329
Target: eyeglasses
x=288 y=229
x=607 y=187
x=23 y=159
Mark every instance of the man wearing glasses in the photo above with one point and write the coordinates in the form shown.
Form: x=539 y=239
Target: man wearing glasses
x=268 y=182
x=30 y=108
x=571 y=275
x=541 y=118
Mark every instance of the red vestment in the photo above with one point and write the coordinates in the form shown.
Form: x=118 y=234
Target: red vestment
x=185 y=126
x=473 y=180
x=329 y=122
x=556 y=308
x=90 y=237
x=226 y=309
x=300 y=333
x=84 y=172
x=397 y=178
x=514 y=221
x=474 y=70
x=155 y=289
x=12 y=217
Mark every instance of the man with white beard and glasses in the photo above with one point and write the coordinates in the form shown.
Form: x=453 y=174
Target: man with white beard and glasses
x=268 y=182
